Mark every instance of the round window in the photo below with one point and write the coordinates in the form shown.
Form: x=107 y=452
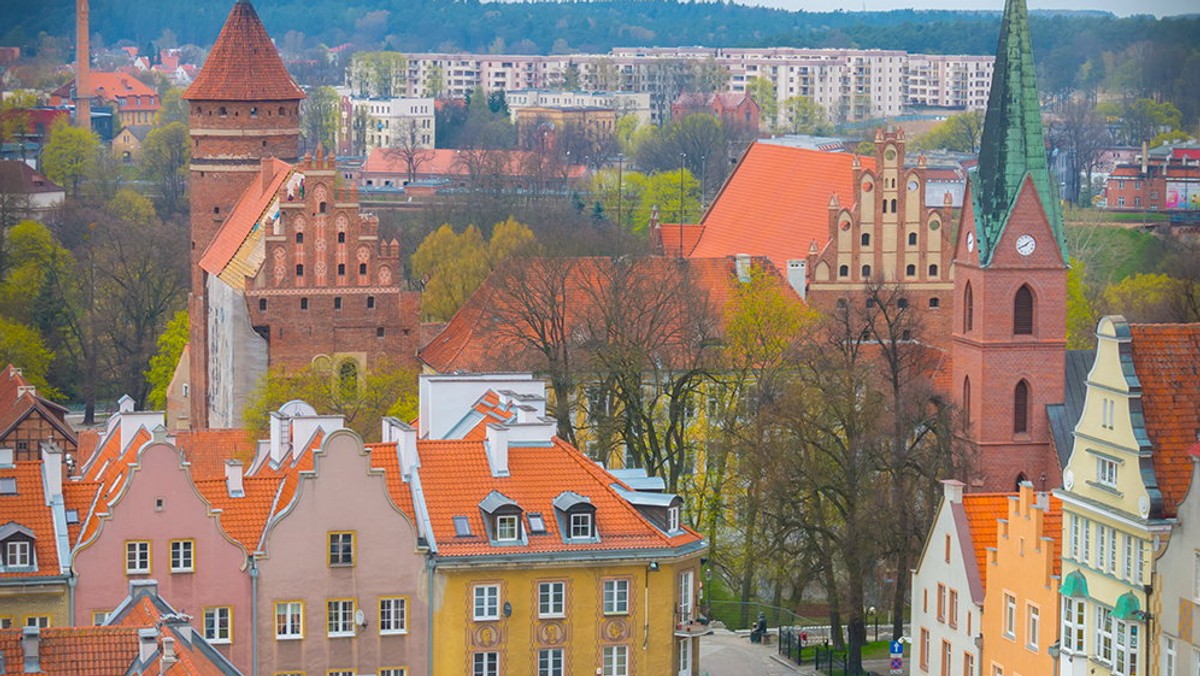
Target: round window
x=912 y=185
x=868 y=186
x=934 y=225
x=890 y=154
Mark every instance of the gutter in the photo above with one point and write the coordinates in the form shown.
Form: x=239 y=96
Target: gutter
x=563 y=556
x=430 y=570
x=254 y=615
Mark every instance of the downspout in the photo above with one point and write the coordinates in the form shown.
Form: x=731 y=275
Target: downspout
x=646 y=616
x=71 y=582
x=254 y=614
x=430 y=569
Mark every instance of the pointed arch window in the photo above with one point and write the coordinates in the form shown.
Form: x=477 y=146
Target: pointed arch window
x=1023 y=311
x=968 y=308
x=1021 y=408
x=966 y=403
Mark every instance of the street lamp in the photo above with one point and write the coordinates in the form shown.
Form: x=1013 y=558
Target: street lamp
x=620 y=189
x=875 y=621
x=682 y=157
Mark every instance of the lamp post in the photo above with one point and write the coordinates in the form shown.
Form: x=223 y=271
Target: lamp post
x=682 y=157
x=875 y=621
x=620 y=188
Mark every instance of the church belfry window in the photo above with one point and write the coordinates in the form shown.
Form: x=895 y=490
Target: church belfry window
x=968 y=308
x=1021 y=408
x=1023 y=311
x=966 y=403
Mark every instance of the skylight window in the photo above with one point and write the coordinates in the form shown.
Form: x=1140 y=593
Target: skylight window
x=462 y=528
x=536 y=523
x=8 y=486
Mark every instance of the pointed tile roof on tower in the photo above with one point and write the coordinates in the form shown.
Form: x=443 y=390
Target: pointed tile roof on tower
x=243 y=64
x=1012 y=146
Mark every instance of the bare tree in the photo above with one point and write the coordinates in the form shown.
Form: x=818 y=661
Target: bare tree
x=411 y=146
x=1082 y=135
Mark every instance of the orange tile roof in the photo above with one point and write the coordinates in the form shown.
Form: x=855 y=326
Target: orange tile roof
x=28 y=508
x=982 y=511
x=244 y=217
x=1052 y=528
x=1165 y=358
x=76 y=651
x=776 y=203
x=668 y=235
x=207 y=450
x=243 y=519
x=81 y=496
x=456 y=477
x=471 y=340
x=243 y=64
x=383 y=456
x=450 y=162
x=108 y=470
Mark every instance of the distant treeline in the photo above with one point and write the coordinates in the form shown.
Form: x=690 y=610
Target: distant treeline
x=545 y=27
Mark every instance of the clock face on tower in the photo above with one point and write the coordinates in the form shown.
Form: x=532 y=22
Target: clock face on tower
x=970 y=241
x=1026 y=244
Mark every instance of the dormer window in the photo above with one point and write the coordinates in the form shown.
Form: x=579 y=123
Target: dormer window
x=581 y=525
x=576 y=517
x=673 y=518
x=502 y=519
x=17 y=551
x=18 y=554
x=507 y=528
x=462 y=527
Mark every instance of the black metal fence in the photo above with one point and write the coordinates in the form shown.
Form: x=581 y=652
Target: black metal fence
x=799 y=647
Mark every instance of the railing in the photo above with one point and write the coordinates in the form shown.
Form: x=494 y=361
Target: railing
x=799 y=646
x=737 y=615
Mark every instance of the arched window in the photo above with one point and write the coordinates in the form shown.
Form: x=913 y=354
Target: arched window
x=341 y=238
x=1023 y=311
x=885 y=205
x=912 y=239
x=348 y=379
x=1021 y=478
x=844 y=271
x=865 y=239
x=910 y=270
x=282 y=112
x=968 y=308
x=299 y=238
x=966 y=403
x=893 y=202
x=935 y=302
x=222 y=112
x=866 y=272
x=933 y=270
x=1021 y=408
x=341 y=269
x=902 y=303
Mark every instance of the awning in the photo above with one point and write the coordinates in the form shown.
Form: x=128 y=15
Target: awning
x=1075 y=586
x=1127 y=605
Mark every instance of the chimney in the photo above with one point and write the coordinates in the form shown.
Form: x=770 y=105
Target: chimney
x=742 y=266
x=169 y=658
x=147 y=644
x=496 y=446
x=952 y=490
x=405 y=438
x=31 y=640
x=52 y=469
x=1145 y=158
x=797 y=273
x=233 y=479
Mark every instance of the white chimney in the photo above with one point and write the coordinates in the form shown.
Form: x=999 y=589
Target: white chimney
x=797 y=273
x=496 y=446
x=280 y=436
x=52 y=469
x=405 y=438
x=23 y=390
x=233 y=479
x=168 y=657
x=31 y=640
x=742 y=266
x=147 y=644
x=952 y=490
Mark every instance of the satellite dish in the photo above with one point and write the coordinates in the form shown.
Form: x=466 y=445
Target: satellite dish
x=359 y=618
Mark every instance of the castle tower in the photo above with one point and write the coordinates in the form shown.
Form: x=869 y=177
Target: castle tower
x=1010 y=280
x=243 y=106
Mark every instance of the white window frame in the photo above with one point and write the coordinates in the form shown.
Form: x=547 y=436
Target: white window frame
x=1170 y=659
x=216 y=631
x=1010 y=616
x=1075 y=535
x=615 y=660
x=1086 y=550
x=339 y=617
x=1104 y=635
x=550 y=662
x=1127 y=651
x=137 y=553
x=293 y=625
x=1033 y=626
x=393 y=671
x=673 y=518
x=1106 y=472
x=581 y=525
x=686 y=594
x=19 y=554
x=487 y=602
x=616 y=597
x=183 y=556
x=485 y=664
x=552 y=599
x=1074 y=632
x=507 y=528
x=393 y=615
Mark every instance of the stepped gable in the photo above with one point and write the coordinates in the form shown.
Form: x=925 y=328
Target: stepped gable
x=1012 y=147
x=243 y=64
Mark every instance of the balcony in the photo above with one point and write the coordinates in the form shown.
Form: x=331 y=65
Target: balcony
x=692 y=628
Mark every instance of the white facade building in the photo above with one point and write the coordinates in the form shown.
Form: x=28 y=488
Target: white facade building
x=625 y=103
x=399 y=121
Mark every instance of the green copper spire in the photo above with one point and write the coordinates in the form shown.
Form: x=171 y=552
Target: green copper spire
x=1012 y=146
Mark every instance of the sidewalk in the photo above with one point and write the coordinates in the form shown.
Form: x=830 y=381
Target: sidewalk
x=727 y=653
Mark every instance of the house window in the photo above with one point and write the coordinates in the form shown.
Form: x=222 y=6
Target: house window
x=1106 y=472
x=299 y=269
x=1023 y=312
x=217 y=624
x=673 y=518
x=137 y=557
x=341 y=238
x=1137 y=562
x=1108 y=413
x=39 y=621
x=487 y=602
x=1010 y=616
x=1169 y=656
x=183 y=556
x=946 y=552
x=1021 y=408
x=337 y=302
x=968 y=308
x=933 y=270
x=340 y=617
x=1074 y=624
x=551 y=597
x=322 y=208
x=581 y=525
x=341 y=549
x=616 y=660
x=506 y=527
x=865 y=240
x=685 y=596
x=1085 y=549
x=1128 y=654
x=616 y=597
x=262 y=304
x=844 y=271
x=935 y=302
x=303 y=303
x=923 y=649
x=966 y=402
x=1033 y=625
x=486 y=664
x=953 y=609
x=370 y=302
x=1104 y=635
x=19 y=554
x=912 y=239
x=550 y=662
x=866 y=272
x=910 y=270
x=362 y=268
x=1127 y=569
x=393 y=615
x=341 y=269
x=968 y=664
x=393 y=671
x=946 y=653
x=941 y=603
x=289 y=620
x=299 y=238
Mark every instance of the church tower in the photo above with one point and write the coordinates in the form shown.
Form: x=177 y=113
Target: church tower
x=1010 y=281
x=242 y=107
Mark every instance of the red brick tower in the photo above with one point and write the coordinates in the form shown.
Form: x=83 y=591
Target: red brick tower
x=243 y=106
x=1010 y=280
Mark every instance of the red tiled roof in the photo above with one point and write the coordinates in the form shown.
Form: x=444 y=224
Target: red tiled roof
x=668 y=236
x=776 y=203
x=456 y=477
x=28 y=508
x=76 y=651
x=471 y=342
x=383 y=456
x=131 y=93
x=982 y=511
x=1165 y=358
x=245 y=215
x=243 y=64
x=244 y=518
x=80 y=496
x=207 y=450
x=451 y=162
x=16 y=177
x=1052 y=528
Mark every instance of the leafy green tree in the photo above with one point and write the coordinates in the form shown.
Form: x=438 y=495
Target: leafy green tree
x=508 y=238
x=319 y=118
x=802 y=115
x=664 y=190
x=762 y=91
x=33 y=254
x=1143 y=297
x=172 y=108
x=162 y=365
x=164 y=162
x=452 y=265
x=379 y=74
x=130 y=205
x=23 y=347
x=69 y=154
x=960 y=133
x=1081 y=312
x=14 y=115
